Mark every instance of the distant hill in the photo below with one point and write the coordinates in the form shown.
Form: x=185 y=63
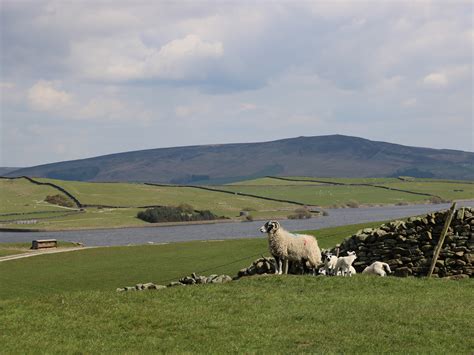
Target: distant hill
x=322 y=156
x=7 y=170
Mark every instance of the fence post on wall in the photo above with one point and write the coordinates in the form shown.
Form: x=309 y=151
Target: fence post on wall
x=447 y=222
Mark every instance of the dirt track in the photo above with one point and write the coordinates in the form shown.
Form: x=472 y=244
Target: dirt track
x=40 y=252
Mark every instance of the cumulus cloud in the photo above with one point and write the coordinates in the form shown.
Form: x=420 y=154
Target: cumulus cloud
x=435 y=80
x=187 y=58
x=46 y=96
x=448 y=76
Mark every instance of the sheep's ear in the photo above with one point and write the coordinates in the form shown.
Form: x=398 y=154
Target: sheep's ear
x=277 y=224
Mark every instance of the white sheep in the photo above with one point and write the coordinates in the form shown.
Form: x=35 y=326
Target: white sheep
x=285 y=246
x=377 y=268
x=329 y=261
x=352 y=271
x=344 y=263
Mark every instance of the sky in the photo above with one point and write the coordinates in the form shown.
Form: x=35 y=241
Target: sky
x=87 y=78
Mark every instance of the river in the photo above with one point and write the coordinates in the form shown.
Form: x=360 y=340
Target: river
x=219 y=231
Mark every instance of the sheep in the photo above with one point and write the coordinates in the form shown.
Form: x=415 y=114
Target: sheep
x=329 y=261
x=285 y=246
x=352 y=271
x=344 y=263
x=377 y=268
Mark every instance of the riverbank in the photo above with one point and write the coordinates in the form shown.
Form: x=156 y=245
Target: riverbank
x=228 y=230
x=221 y=221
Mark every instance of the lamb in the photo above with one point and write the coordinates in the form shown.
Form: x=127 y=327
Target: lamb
x=285 y=246
x=352 y=271
x=329 y=261
x=377 y=268
x=344 y=263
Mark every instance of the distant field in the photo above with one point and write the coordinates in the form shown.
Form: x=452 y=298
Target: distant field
x=327 y=195
x=20 y=195
x=67 y=303
x=124 y=194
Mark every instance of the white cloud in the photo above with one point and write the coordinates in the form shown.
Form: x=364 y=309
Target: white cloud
x=435 y=80
x=448 y=76
x=45 y=96
x=111 y=108
x=187 y=58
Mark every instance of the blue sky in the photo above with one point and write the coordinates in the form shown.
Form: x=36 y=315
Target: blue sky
x=86 y=78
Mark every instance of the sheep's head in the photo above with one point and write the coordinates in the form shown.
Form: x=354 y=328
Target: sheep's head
x=270 y=227
x=327 y=256
x=349 y=253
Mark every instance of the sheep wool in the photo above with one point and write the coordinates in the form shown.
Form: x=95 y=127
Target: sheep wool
x=285 y=246
x=377 y=268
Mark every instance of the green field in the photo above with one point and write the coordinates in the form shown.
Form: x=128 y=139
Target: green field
x=131 y=264
x=21 y=196
x=67 y=303
x=327 y=195
x=135 y=195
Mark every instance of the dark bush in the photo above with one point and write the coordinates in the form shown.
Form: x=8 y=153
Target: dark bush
x=300 y=213
x=352 y=204
x=436 y=200
x=249 y=218
x=175 y=214
x=186 y=208
x=59 y=200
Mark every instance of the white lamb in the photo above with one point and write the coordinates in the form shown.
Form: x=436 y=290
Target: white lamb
x=285 y=246
x=377 y=268
x=351 y=270
x=344 y=263
x=329 y=261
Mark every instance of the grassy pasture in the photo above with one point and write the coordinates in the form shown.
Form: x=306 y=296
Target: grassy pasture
x=126 y=194
x=20 y=195
x=326 y=195
x=67 y=303
x=266 y=314
x=104 y=269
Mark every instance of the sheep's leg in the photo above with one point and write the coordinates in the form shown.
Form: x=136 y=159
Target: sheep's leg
x=286 y=266
x=276 y=264
x=279 y=266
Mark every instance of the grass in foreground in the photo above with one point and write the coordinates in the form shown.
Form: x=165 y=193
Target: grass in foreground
x=67 y=303
x=108 y=268
x=264 y=314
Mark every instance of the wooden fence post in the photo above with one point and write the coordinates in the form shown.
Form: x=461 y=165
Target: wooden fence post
x=447 y=222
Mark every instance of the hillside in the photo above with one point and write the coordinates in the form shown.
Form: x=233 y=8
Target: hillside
x=321 y=156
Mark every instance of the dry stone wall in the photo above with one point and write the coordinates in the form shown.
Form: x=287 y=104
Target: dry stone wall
x=408 y=246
